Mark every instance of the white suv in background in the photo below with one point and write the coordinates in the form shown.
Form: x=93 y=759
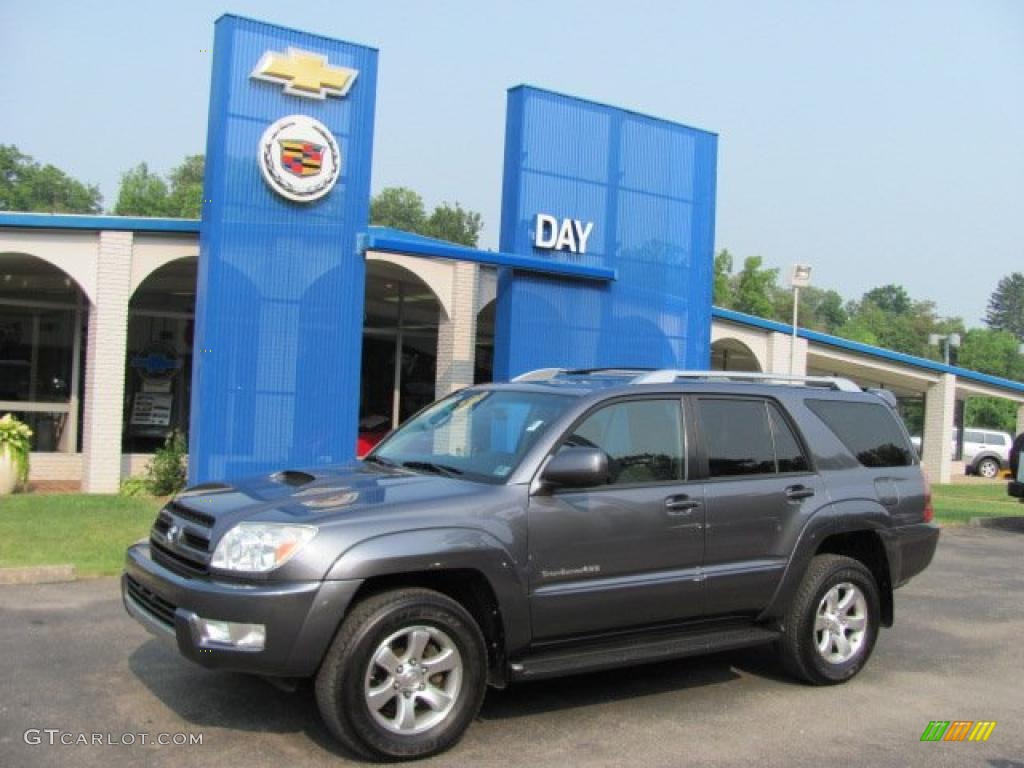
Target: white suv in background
x=986 y=452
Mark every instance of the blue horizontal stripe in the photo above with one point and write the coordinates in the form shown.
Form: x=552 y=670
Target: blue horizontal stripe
x=866 y=349
x=78 y=221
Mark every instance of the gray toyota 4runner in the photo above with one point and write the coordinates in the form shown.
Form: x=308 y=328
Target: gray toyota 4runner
x=564 y=522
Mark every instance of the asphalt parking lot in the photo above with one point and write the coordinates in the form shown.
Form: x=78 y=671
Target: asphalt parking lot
x=72 y=660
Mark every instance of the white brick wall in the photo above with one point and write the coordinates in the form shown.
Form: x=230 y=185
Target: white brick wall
x=104 y=365
x=456 y=335
x=779 y=346
x=55 y=466
x=1020 y=419
x=939 y=405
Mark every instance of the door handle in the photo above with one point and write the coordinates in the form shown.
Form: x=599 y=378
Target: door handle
x=680 y=505
x=797 y=492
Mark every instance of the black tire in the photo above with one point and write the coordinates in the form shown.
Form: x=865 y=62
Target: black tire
x=341 y=681
x=798 y=646
x=988 y=468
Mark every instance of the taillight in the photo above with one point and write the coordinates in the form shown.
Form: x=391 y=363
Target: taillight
x=929 y=510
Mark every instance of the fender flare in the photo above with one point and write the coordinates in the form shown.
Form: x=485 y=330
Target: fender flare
x=435 y=550
x=834 y=518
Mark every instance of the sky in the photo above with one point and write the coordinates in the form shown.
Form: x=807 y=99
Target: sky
x=879 y=142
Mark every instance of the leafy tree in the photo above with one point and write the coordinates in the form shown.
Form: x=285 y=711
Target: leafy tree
x=1006 y=306
x=992 y=352
x=754 y=288
x=400 y=208
x=456 y=225
x=25 y=185
x=991 y=412
x=829 y=311
x=722 y=295
x=186 y=193
x=142 y=193
x=892 y=299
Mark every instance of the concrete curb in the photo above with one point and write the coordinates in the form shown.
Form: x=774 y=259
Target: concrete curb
x=1011 y=524
x=39 y=574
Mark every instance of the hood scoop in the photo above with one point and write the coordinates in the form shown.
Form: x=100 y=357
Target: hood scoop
x=293 y=478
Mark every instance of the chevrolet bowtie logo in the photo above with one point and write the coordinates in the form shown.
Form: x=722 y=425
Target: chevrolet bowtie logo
x=304 y=74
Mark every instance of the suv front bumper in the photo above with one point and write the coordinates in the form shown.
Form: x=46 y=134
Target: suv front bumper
x=300 y=617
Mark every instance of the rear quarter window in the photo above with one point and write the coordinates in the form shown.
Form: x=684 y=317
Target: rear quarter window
x=869 y=431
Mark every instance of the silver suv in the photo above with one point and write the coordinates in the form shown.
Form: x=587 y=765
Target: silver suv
x=986 y=452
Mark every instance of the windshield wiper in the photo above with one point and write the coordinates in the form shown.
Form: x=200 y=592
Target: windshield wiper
x=429 y=466
x=380 y=461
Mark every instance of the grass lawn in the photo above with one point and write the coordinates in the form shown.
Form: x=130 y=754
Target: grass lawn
x=958 y=503
x=91 y=532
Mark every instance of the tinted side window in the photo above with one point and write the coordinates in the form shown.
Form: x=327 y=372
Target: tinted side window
x=787 y=448
x=737 y=437
x=643 y=440
x=869 y=431
x=973 y=436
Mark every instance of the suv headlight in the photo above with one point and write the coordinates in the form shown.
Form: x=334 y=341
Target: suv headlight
x=260 y=547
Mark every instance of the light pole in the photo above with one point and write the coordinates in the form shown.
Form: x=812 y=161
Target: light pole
x=950 y=339
x=800 y=278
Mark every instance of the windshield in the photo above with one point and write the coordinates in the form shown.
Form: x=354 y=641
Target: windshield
x=476 y=434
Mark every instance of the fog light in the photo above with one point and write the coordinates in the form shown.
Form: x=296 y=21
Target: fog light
x=230 y=634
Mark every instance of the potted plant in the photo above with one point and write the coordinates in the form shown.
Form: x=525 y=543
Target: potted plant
x=14 y=449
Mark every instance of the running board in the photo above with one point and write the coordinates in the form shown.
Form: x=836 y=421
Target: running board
x=625 y=652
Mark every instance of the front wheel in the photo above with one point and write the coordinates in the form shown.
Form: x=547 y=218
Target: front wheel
x=988 y=468
x=404 y=677
x=832 y=623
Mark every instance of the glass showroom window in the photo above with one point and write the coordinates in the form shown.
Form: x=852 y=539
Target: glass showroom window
x=41 y=319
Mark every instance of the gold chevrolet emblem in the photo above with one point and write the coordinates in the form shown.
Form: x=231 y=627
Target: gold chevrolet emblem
x=304 y=74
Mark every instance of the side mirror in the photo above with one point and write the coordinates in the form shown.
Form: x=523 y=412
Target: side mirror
x=576 y=467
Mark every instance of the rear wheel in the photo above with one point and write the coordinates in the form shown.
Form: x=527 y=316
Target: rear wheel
x=988 y=468
x=404 y=677
x=832 y=623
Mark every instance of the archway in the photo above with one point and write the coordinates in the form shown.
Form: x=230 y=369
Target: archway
x=43 y=315
x=733 y=355
x=158 y=363
x=400 y=324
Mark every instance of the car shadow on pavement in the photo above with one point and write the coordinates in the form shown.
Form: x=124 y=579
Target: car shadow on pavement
x=542 y=696
x=215 y=699
x=239 y=702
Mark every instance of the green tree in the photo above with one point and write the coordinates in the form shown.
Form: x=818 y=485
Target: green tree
x=400 y=208
x=892 y=299
x=454 y=224
x=25 y=185
x=755 y=287
x=993 y=352
x=186 y=188
x=722 y=296
x=142 y=193
x=1006 y=306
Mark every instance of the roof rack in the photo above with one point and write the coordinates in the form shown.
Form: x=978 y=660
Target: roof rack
x=670 y=375
x=543 y=374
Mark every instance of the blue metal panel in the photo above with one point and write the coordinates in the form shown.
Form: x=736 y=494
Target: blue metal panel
x=397 y=241
x=649 y=188
x=280 y=287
